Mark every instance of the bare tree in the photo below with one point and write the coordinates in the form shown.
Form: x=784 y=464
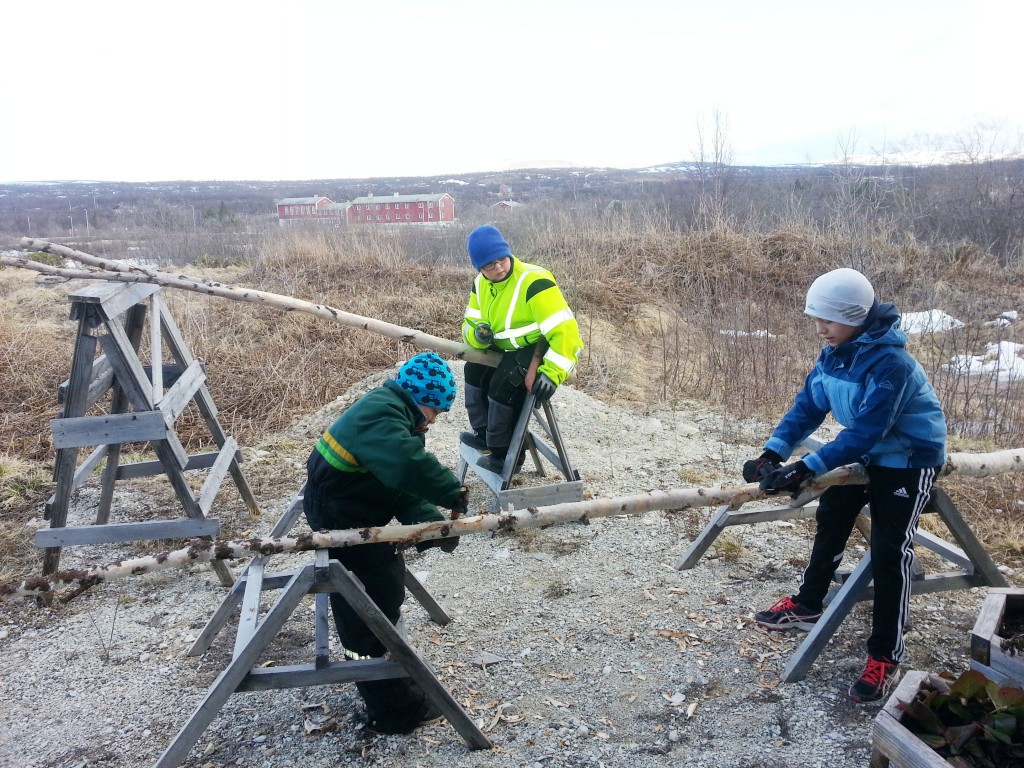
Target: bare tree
x=712 y=170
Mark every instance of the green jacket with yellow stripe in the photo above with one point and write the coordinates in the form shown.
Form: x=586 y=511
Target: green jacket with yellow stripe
x=522 y=308
x=373 y=465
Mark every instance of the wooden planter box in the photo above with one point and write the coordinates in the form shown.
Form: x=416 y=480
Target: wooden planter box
x=891 y=742
x=987 y=642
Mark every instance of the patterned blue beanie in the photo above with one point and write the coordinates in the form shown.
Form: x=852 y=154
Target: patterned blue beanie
x=485 y=245
x=429 y=380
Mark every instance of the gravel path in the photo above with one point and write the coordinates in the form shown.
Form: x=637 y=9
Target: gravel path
x=580 y=645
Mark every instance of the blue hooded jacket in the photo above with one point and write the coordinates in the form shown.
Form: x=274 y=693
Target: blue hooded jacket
x=878 y=392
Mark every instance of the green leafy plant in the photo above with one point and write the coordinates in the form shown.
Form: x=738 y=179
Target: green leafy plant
x=971 y=721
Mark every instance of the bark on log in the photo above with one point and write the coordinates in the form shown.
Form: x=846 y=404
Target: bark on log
x=114 y=270
x=199 y=551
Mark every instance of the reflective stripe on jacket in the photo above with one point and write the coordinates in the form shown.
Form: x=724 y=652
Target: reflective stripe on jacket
x=520 y=309
x=373 y=458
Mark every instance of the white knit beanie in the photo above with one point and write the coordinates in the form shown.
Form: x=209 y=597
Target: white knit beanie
x=840 y=296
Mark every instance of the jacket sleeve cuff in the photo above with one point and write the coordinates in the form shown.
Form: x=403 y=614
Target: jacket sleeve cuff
x=785 y=450
x=815 y=464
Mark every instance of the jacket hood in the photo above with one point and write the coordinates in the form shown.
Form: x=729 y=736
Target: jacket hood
x=882 y=326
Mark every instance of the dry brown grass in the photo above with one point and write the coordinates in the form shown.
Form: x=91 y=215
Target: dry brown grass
x=652 y=302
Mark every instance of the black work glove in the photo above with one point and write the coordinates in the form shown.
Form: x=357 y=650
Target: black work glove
x=483 y=333
x=755 y=469
x=788 y=478
x=446 y=545
x=459 y=508
x=543 y=388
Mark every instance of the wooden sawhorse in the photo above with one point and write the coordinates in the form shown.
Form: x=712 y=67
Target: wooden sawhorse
x=320 y=578
x=144 y=403
x=570 y=489
x=977 y=568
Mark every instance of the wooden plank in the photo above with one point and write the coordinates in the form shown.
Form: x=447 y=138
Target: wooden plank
x=216 y=476
x=179 y=350
x=424 y=598
x=701 y=544
x=64 y=466
x=345 y=583
x=228 y=680
x=944 y=549
x=178 y=397
x=966 y=539
x=207 y=408
x=248 y=621
x=540 y=495
x=303 y=675
x=986 y=625
x=155 y=348
x=99 y=382
x=772 y=514
x=106 y=430
x=148 y=468
x=127 y=368
x=134 y=321
x=1001 y=678
x=321 y=624
x=936 y=582
x=1008 y=666
x=893 y=740
x=86 y=467
x=117 y=302
x=556 y=439
x=234 y=596
x=107 y=291
x=68 y=536
x=833 y=616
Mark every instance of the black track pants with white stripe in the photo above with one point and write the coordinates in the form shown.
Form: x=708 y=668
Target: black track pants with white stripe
x=896 y=498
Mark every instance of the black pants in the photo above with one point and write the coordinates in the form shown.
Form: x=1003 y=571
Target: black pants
x=505 y=384
x=494 y=397
x=393 y=704
x=896 y=498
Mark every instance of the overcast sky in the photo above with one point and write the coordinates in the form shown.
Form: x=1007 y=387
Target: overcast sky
x=308 y=89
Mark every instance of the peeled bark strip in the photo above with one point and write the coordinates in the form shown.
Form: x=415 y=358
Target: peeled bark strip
x=114 y=270
x=199 y=551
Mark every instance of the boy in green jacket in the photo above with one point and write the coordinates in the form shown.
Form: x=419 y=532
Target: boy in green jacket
x=370 y=466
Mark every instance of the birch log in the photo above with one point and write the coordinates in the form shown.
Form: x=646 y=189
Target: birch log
x=200 y=551
x=120 y=271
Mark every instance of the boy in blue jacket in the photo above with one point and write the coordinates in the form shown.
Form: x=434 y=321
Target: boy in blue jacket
x=894 y=425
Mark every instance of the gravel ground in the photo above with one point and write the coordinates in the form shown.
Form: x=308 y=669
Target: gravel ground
x=580 y=645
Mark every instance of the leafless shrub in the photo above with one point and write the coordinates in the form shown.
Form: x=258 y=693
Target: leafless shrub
x=711 y=314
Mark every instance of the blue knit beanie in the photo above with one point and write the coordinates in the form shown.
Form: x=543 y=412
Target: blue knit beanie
x=485 y=245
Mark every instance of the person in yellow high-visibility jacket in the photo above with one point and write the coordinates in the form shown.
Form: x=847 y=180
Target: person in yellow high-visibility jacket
x=512 y=307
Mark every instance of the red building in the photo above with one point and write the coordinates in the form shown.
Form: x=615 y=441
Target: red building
x=402 y=209
x=397 y=209
x=322 y=210
x=506 y=206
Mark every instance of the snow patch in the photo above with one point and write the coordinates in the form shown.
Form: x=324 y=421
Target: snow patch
x=1003 y=360
x=928 y=321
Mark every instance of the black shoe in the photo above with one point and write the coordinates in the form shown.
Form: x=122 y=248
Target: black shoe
x=786 y=614
x=492 y=462
x=398 y=723
x=495 y=461
x=428 y=715
x=473 y=440
x=874 y=683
